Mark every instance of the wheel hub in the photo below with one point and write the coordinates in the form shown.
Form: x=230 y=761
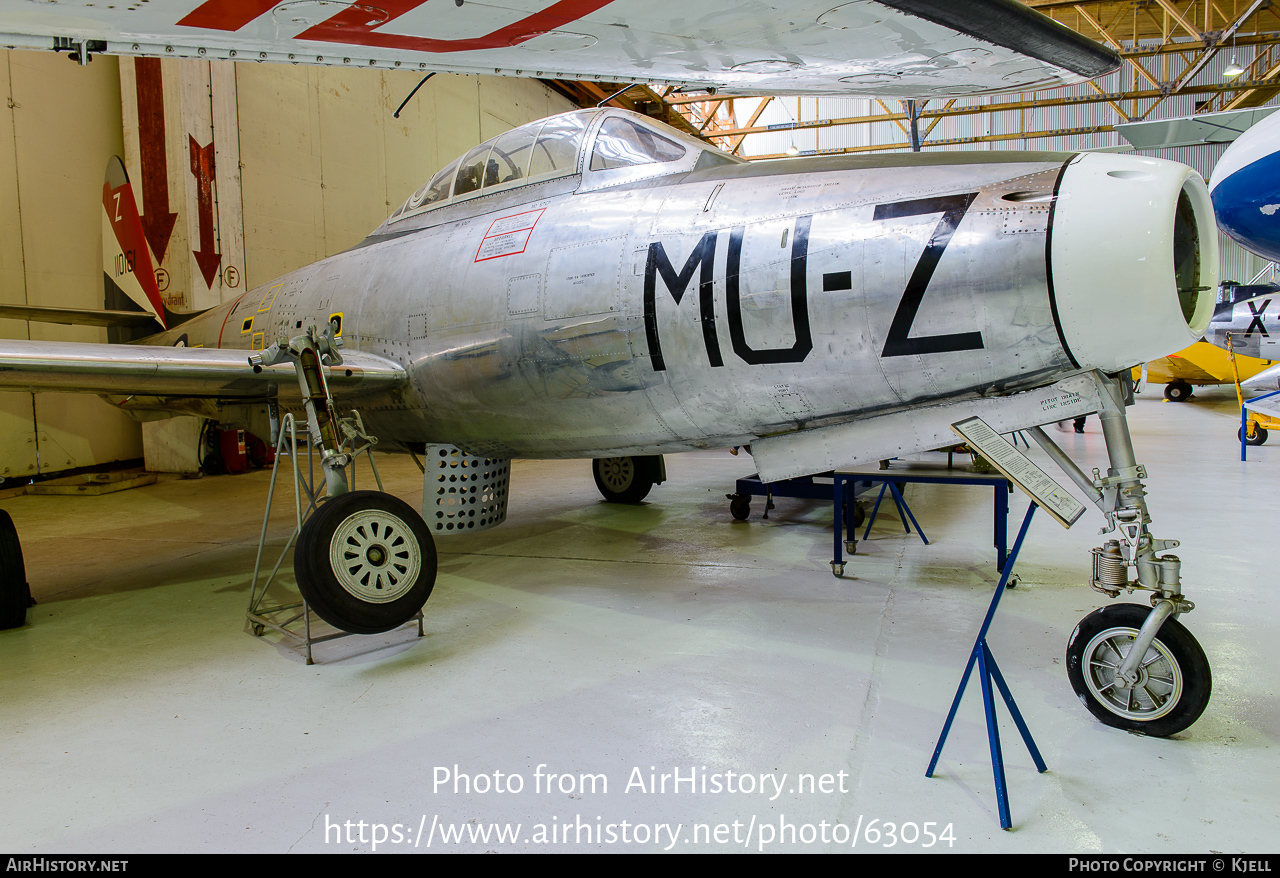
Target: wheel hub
x=617 y=473
x=374 y=556
x=1158 y=684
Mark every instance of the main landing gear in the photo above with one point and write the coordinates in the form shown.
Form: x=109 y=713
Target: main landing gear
x=1177 y=391
x=1133 y=667
x=365 y=561
x=628 y=479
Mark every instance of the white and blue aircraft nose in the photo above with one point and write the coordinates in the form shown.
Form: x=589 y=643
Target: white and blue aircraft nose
x=1245 y=189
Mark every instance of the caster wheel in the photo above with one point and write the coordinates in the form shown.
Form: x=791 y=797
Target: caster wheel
x=259 y=630
x=1174 y=681
x=740 y=507
x=1259 y=436
x=856 y=514
x=837 y=569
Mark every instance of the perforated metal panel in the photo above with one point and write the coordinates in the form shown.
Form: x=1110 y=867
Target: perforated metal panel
x=463 y=493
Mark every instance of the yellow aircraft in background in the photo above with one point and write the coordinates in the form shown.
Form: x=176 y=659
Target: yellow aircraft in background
x=1200 y=365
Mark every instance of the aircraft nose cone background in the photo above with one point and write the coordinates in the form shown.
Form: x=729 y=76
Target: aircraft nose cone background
x=1133 y=259
x=1246 y=189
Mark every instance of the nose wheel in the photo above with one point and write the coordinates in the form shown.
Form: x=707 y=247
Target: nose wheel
x=1173 y=681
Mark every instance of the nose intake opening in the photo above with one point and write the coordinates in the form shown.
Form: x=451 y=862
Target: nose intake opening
x=1186 y=257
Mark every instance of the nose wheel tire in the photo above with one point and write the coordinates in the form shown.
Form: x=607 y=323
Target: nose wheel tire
x=1177 y=391
x=1174 y=681
x=624 y=479
x=365 y=562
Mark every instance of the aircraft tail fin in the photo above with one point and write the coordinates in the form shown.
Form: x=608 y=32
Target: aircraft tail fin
x=129 y=278
x=131 y=295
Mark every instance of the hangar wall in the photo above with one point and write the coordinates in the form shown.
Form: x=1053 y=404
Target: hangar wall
x=320 y=162
x=58 y=124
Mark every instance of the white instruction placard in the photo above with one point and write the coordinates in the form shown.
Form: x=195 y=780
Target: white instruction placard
x=1018 y=468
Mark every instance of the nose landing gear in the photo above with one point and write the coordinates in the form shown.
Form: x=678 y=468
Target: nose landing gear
x=1134 y=668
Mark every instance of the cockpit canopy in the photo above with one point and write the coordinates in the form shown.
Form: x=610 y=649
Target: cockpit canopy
x=553 y=147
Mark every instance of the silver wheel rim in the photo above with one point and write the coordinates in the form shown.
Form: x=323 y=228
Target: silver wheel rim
x=617 y=473
x=1159 y=686
x=375 y=556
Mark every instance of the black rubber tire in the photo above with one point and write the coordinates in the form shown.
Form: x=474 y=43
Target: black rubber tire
x=1173 y=639
x=1177 y=391
x=15 y=594
x=1259 y=436
x=859 y=513
x=740 y=508
x=340 y=604
x=625 y=479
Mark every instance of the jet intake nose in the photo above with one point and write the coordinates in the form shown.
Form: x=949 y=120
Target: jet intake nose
x=1133 y=259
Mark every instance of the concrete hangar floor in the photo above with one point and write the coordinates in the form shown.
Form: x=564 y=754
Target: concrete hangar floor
x=581 y=638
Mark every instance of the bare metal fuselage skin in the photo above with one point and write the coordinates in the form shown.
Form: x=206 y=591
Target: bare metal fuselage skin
x=699 y=309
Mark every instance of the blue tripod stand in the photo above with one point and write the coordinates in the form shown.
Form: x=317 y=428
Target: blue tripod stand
x=989 y=671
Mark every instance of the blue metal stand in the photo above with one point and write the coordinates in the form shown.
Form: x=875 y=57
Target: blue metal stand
x=904 y=512
x=893 y=481
x=1244 y=416
x=988 y=671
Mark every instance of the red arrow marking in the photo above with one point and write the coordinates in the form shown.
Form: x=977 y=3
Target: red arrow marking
x=352 y=26
x=157 y=224
x=202 y=168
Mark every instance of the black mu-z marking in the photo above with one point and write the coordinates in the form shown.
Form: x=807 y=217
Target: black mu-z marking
x=899 y=343
x=702 y=259
x=703 y=256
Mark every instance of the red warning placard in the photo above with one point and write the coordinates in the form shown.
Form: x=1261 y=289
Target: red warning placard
x=508 y=235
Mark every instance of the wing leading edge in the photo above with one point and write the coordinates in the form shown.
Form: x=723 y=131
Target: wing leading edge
x=77 y=367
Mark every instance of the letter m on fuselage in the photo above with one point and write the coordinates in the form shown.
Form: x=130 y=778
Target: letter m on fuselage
x=676 y=282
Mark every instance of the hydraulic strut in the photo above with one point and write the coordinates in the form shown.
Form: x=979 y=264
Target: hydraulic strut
x=310 y=353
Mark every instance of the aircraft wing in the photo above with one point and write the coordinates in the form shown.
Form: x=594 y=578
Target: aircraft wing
x=174 y=371
x=903 y=48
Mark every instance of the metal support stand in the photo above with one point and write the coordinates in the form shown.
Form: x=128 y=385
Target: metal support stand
x=290 y=616
x=904 y=512
x=989 y=671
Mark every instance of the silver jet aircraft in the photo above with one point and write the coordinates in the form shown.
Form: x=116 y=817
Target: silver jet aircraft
x=596 y=285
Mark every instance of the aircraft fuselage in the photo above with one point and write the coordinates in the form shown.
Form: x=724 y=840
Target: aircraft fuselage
x=703 y=309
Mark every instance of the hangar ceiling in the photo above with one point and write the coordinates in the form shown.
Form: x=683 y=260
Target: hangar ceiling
x=1176 y=60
